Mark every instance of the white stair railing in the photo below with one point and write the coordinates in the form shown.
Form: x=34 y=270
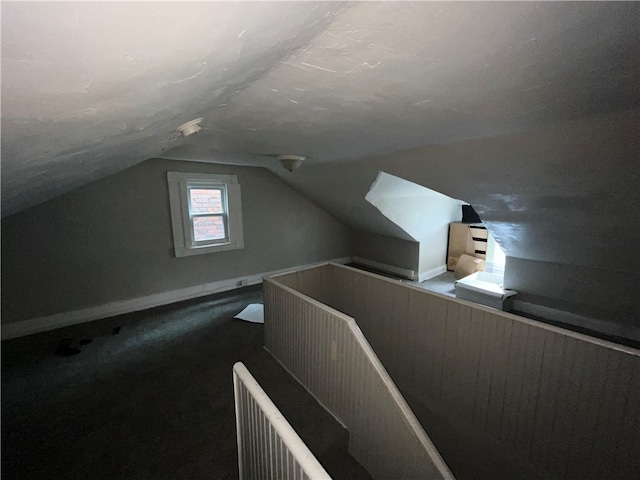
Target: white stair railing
x=268 y=448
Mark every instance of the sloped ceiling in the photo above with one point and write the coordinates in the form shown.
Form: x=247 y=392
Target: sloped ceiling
x=566 y=193
x=89 y=89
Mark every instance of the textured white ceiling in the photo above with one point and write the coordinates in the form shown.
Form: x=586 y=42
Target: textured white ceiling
x=91 y=88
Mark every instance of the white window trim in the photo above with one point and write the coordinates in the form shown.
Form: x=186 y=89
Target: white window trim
x=183 y=243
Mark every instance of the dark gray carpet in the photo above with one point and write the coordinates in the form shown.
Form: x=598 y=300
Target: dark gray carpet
x=154 y=401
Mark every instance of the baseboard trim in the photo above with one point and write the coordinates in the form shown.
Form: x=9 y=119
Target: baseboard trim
x=569 y=318
x=434 y=272
x=402 y=272
x=89 y=314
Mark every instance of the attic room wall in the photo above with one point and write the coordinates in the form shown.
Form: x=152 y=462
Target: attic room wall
x=112 y=240
x=421 y=212
x=595 y=293
x=388 y=250
x=564 y=196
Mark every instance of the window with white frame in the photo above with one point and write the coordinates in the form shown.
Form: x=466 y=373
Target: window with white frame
x=206 y=213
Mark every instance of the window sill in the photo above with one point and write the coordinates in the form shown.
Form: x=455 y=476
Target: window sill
x=187 y=252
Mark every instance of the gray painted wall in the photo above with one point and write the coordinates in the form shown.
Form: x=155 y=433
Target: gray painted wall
x=566 y=194
x=111 y=240
x=421 y=212
x=610 y=295
x=392 y=251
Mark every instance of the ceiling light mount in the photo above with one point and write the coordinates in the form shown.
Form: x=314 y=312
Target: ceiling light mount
x=191 y=127
x=291 y=162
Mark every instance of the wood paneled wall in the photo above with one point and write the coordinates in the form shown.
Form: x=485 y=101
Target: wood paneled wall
x=328 y=354
x=568 y=402
x=313 y=282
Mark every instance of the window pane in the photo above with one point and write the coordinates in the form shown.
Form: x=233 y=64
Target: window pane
x=205 y=200
x=208 y=228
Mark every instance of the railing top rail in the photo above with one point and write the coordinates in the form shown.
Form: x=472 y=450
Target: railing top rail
x=302 y=269
x=500 y=313
x=294 y=443
x=342 y=316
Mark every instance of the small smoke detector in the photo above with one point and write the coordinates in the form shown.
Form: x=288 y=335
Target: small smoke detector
x=291 y=162
x=191 y=127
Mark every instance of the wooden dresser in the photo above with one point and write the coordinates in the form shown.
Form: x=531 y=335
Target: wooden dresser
x=469 y=238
